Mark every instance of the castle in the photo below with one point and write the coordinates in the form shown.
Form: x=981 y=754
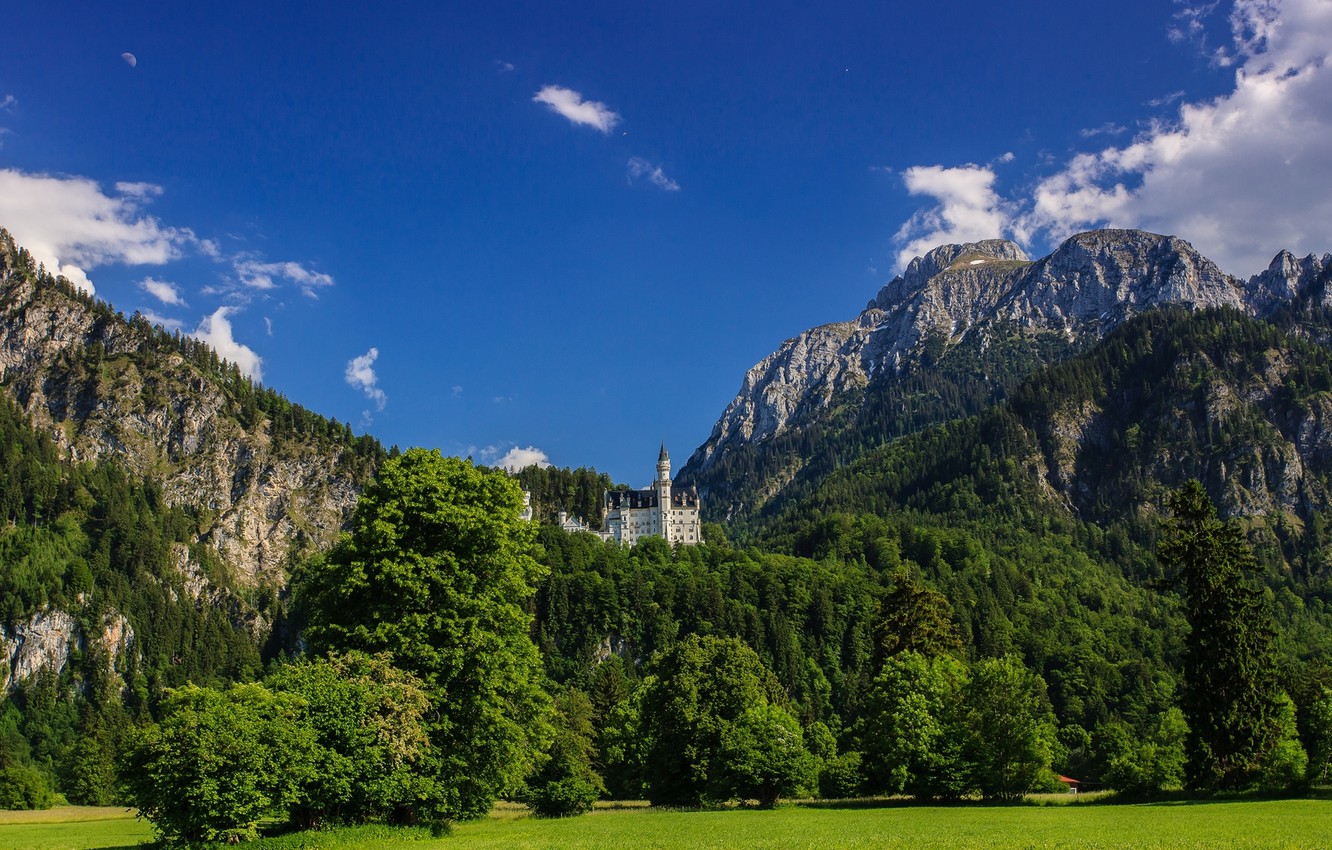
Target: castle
x=658 y=511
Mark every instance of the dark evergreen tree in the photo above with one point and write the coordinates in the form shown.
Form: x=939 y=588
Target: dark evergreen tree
x=1231 y=697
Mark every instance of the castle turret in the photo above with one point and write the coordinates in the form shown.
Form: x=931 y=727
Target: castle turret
x=663 y=464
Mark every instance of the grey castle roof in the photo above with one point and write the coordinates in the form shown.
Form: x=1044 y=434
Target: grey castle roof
x=685 y=497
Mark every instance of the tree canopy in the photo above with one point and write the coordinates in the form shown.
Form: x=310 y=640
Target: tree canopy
x=437 y=570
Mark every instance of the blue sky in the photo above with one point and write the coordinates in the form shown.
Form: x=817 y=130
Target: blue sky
x=516 y=230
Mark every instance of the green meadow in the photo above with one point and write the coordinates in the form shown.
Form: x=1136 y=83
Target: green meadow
x=1305 y=823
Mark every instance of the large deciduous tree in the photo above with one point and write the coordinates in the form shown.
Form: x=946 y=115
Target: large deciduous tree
x=219 y=763
x=1231 y=697
x=367 y=718
x=437 y=571
x=701 y=688
x=916 y=739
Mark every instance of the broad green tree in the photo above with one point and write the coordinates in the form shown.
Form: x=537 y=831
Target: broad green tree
x=915 y=735
x=218 y=763
x=702 y=686
x=1013 y=732
x=368 y=722
x=1231 y=698
x=437 y=570
x=763 y=757
x=1150 y=763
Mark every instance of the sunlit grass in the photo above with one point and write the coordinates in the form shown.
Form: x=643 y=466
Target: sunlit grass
x=1057 y=821
x=72 y=828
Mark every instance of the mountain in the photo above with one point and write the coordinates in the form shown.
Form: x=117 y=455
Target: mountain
x=265 y=471
x=953 y=334
x=155 y=496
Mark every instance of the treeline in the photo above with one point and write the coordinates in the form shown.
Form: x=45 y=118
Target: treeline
x=577 y=492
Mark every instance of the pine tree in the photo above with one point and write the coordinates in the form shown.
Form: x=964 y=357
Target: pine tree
x=1231 y=697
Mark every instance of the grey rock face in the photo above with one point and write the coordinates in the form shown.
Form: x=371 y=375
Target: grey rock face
x=1093 y=282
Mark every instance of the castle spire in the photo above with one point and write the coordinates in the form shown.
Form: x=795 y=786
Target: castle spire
x=664 y=465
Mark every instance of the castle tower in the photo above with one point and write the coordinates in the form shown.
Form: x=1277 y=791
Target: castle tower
x=664 y=491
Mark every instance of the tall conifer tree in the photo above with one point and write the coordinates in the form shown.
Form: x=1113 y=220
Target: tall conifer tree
x=1231 y=698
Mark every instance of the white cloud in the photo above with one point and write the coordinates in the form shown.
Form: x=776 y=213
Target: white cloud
x=361 y=375
x=169 y=324
x=1241 y=176
x=639 y=167
x=515 y=458
x=571 y=105
x=968 y=209
x=71 y=226
x=256 y=274
x=503 y=66
x=457 y=390
x=167 y=293
x=216 y=331
x=8 y=102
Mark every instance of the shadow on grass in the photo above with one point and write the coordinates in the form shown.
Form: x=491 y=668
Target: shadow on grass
x=1096 y=798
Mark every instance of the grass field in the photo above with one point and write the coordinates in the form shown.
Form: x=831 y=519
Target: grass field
x=71 y=828
x=1250 y=824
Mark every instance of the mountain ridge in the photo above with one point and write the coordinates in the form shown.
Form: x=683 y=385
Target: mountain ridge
x=955 y=297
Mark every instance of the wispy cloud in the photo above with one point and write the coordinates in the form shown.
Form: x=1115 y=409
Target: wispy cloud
x=1109 y=128
x=1189 y=22
x=167 y=293
x=571 y=105
x=639 y=167
x=216 y=331
x=256 y=274
x=1240 y=176
x=167 y=323
x=1166 y=99
x=504 y=67
x=515 y=459
x=360 y=374
x=8 y=102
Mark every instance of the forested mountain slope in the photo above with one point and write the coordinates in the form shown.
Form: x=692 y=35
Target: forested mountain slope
x=271 y=478
x=153 y=500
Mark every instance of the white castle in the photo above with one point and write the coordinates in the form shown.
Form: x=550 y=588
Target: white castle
x=658 y=511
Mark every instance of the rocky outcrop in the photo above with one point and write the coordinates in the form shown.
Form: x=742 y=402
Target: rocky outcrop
x=101 y=388
x=45 y=640
x=1092 y=283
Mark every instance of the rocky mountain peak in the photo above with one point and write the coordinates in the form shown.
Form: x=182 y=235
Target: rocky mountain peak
x=1285 y=278
x=956 y=257
x=984 y=291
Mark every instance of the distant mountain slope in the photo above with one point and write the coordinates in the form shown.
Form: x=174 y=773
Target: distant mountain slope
x=271 y=479
x=950 y=336
x=1241 y=404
